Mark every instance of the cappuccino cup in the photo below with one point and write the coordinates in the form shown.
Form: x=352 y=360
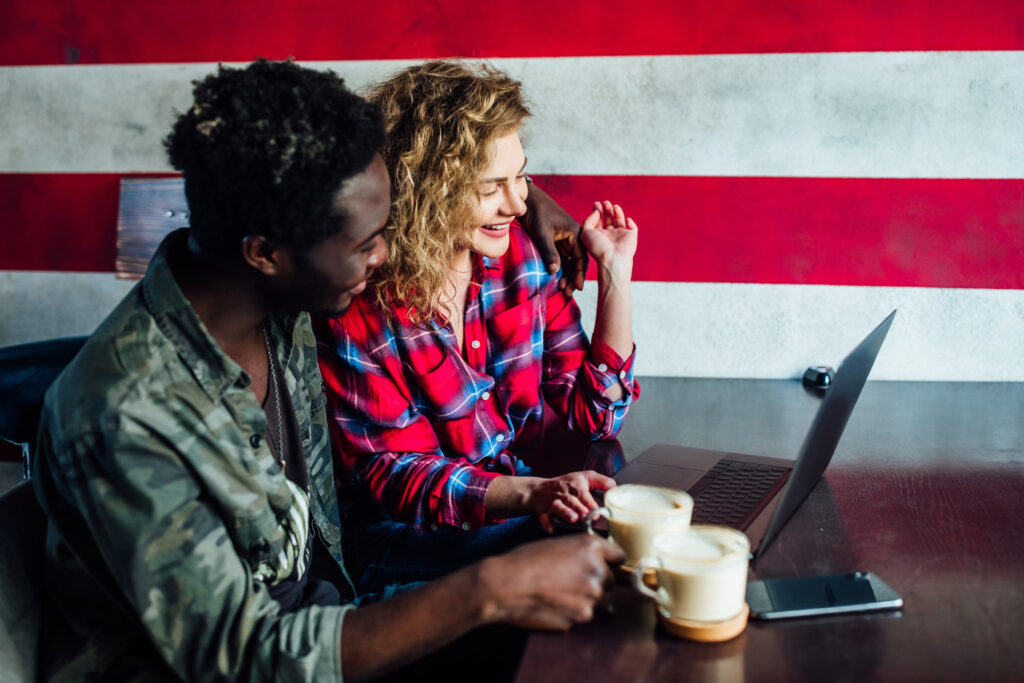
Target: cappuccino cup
x=636 y=513
x=701 y=571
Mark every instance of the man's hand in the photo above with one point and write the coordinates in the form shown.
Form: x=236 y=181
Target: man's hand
x=556 y=236
x=550 y=584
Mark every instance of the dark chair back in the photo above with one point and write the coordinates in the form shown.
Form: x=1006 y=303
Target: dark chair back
x=26 y=372
x=22 y=538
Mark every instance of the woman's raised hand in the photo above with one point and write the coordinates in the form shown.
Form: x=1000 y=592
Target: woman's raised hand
x=610 y=236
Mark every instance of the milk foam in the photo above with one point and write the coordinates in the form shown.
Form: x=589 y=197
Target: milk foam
x=692 y=546
x=643 y=500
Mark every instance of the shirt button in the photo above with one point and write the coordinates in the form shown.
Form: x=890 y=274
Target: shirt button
x=602 y=367
x=465 y=526
x=255 y=440
x=486 y=396
x=499 y=438
x=622 y=374
x=475 y=344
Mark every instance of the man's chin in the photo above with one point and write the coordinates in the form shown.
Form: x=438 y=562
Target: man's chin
x=328 y=312
x=335 y=311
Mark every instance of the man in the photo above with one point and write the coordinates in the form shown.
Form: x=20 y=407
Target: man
x=184 y=461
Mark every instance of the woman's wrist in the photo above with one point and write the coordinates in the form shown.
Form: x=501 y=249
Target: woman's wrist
x=615 y=271
x=509 y=495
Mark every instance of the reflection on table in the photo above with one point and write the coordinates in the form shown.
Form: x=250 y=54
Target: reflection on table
x=926 y=490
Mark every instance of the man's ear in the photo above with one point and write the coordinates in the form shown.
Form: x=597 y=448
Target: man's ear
x=264 y=255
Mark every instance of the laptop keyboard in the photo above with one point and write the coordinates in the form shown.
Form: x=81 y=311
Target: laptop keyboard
x=733 y=493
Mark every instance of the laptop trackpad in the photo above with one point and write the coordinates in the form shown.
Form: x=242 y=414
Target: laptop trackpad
x=658 y=475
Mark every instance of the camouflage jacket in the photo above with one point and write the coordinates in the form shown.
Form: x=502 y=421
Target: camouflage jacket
x=167 y=510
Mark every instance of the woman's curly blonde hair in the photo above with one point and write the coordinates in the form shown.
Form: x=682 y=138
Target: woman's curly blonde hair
x=440 y=118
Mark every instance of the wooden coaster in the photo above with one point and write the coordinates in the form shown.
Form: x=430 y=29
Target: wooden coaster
x=705 y=631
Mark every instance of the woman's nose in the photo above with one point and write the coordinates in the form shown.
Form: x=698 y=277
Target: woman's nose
x=515 y=205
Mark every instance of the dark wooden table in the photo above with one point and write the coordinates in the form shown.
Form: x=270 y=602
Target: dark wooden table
x=926 y=490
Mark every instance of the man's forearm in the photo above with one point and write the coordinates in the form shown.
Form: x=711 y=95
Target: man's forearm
x=387 y=635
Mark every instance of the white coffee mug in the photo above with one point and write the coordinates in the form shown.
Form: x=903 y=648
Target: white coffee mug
x=636 y=513
x=702 y=573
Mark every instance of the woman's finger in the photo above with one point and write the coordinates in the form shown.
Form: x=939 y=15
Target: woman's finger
x=573 y=502
x=560 y=509
x=592 y=221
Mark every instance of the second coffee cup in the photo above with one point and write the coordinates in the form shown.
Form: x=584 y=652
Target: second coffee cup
x=636 y=513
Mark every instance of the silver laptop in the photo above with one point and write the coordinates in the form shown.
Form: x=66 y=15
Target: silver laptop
x=755 y=494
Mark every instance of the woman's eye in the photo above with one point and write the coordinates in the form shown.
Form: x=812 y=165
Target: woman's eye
x=489 y=193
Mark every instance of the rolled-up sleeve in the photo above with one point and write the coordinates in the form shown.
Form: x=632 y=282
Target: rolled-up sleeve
x=577 y=373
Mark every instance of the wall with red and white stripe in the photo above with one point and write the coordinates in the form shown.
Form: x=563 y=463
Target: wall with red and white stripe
x=798 y=169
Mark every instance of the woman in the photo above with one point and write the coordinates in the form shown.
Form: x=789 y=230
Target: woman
x=438 y=374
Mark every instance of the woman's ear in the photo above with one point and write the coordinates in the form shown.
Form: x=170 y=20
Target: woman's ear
x=264 y=255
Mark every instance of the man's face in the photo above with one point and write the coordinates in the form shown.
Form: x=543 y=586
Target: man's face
x=329 y=274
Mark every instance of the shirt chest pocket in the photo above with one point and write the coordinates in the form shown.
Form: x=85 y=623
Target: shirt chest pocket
x=516 y=346
x=260 y=539
x=442 y=392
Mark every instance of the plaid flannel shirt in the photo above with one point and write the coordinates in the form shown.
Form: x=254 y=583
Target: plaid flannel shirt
x=426 y=428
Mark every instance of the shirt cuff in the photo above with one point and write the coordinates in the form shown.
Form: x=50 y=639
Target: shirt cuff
x=468 y=511
x=333 y=643
x=607 y=368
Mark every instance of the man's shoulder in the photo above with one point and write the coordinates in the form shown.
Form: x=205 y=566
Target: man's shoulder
x=127 y=366
x=365 y=324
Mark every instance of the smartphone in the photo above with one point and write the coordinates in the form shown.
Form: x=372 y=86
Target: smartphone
x=810 y=596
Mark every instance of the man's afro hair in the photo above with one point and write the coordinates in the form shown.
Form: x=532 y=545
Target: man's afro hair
x=264 y=149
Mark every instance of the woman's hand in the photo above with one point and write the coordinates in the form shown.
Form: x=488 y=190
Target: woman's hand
x=611 y=238
x=566 y=497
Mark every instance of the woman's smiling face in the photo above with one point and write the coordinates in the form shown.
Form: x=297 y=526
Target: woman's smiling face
x=501 y=193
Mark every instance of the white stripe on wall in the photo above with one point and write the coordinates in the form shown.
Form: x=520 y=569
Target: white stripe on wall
x=686 y=329
x=891 y=114
x=778 y=331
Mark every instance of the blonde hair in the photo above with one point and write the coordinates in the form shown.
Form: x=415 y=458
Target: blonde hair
x=440 y=118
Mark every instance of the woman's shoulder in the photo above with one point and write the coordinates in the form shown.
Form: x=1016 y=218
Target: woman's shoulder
x=522 y=262
x=365 y=322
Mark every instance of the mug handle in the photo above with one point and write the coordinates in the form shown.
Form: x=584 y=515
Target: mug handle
x=660 y=596
x=592 y=516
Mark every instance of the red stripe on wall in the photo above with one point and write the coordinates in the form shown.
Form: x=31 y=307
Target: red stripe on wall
x=831 y=231
x=59 y=221
x=113 y=31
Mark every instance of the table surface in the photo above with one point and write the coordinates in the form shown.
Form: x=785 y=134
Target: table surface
x=926 y=490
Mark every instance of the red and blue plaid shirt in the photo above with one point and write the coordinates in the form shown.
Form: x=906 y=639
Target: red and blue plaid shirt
x=425 y=428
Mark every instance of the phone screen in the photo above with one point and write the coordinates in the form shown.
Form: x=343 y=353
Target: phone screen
x=818 y=595
x=819 y=591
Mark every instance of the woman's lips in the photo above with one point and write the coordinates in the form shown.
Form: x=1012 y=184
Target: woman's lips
x=495 y=230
